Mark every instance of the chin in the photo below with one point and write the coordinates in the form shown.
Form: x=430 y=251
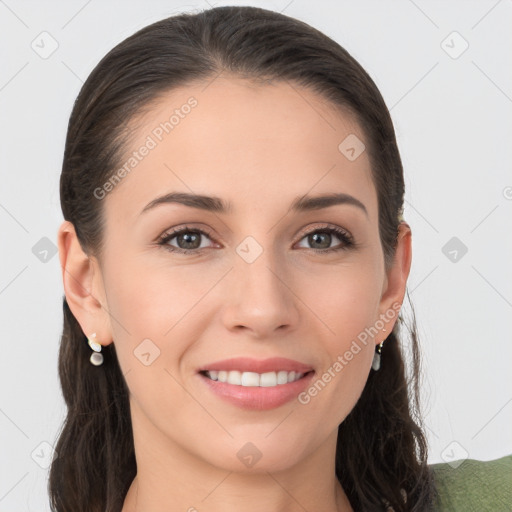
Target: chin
x=257 y=456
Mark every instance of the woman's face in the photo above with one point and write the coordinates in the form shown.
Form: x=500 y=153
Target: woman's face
x=258 y=284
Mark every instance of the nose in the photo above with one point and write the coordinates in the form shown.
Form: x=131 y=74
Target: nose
x=260 y=298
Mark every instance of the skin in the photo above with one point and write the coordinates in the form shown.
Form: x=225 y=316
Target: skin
x=258 y=146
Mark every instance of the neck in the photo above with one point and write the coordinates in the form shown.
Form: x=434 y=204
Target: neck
x=269 y=494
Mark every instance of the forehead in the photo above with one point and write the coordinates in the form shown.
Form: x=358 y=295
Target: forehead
x=245 y=142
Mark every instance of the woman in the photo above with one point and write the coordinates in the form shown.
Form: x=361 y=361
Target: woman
x=234 y=261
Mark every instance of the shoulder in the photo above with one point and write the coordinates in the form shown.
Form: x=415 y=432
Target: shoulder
x=473 y=485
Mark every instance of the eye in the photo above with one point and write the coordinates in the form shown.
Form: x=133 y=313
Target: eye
x=322 y=238
x=187 y=239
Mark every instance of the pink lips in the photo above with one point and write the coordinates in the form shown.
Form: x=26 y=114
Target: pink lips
x=254 y=397
x=246 y=364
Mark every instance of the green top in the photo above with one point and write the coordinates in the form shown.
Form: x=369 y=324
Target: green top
x=474 y=485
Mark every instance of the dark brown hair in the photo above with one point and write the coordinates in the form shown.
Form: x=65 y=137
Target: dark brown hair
x=381 y=446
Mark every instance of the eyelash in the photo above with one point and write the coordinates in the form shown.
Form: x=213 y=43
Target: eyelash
x=348 y=241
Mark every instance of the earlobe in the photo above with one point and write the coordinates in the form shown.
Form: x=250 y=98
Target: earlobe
x=81 y=285
x=396 y=277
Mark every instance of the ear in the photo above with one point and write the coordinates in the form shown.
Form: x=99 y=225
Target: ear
x=393 y=291
x=83 y=286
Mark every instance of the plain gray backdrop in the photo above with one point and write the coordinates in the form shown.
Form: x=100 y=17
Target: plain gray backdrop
x=444 y=71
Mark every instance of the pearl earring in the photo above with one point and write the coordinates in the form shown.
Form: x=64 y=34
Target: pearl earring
x=96 y=357
x=376 y=357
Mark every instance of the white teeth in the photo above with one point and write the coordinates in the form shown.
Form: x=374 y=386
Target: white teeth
x=252 y=379
x=234 y=378
x=282 y=377
x=268 y=379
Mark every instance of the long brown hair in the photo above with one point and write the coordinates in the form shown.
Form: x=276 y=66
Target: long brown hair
x=381 y=447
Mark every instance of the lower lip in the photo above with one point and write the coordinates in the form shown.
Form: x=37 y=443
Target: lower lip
x=258 y=398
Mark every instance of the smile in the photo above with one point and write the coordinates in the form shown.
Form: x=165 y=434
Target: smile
x=253 y=379
x=255 y=391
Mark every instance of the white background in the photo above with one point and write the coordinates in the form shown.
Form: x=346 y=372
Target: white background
x=454 y=127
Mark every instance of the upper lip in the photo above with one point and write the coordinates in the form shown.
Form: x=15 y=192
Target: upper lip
x=246 y=364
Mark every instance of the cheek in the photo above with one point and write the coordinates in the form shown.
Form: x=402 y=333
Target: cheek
x=155 y=318
x=155 y=302
x=348 y=308
x=157 y=314
x=337 y=386
x=345 y=300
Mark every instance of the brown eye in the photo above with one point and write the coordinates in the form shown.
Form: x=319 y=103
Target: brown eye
x=190 y=240
x=187 y=240
x=321 y=239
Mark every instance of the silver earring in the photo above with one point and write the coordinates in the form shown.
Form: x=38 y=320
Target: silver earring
x=376 y=357
x=96 y=357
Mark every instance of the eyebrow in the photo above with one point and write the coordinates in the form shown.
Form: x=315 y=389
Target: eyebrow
x=217 y=205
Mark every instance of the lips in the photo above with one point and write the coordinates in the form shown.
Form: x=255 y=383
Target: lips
x=257 y=398
x=268 y=394
x=246 y=364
